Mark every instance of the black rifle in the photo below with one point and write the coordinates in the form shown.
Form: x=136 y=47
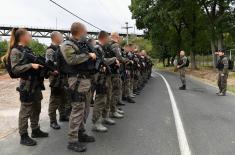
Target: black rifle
x=48 y=66
x=100 y=63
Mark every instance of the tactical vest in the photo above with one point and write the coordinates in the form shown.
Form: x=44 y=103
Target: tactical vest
x=30 y=72
x=220 y=65
x=85 y=67
x=110 y=54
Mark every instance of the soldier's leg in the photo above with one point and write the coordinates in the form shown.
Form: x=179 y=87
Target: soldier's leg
x=86 y=110
x=131 y=86
x=35 y=115
x=109 y=98
x=82 y=95
x=61 y=106
x=115 y=97
x=182 y=76
x=124 y=89
x=24 y=115
x=54 y=103
x=120 y=89
x=115 y=93
x=224 y=83
x=219 y=81
x=128 y=91
x=65 y=106
x=100 y=103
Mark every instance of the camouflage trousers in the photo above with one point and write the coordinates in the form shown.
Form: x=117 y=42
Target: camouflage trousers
x=131 y=85
x=80 y=96
x=116 y=92
x=58 y=101
x=106 y=110
x=136 y=80
x=101 y=97
x=126 y=87
x=30 y=111
x=222 y=82
x=182 y=72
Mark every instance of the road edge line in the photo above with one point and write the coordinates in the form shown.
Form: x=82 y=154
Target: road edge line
x=182 y=138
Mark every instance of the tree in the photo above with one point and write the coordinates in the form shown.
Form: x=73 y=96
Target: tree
x=3 y=47
x=191 y=25
x=38 y=48
x=220 y=15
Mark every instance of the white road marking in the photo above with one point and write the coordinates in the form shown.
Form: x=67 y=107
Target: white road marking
x=182 y=138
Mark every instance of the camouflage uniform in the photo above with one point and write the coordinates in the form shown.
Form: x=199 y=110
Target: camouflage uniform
x=58 y=97
x=79 y=86
x=116 y=78
x=30 y=90
x=102 y=84
x=223 y=65
x=182 y=62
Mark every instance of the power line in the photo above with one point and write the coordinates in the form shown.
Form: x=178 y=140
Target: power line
x=75 y=15
x=108 y=11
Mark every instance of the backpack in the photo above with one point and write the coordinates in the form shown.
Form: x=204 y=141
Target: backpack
x=230 y=64
x=7 y=64
x=187 y=63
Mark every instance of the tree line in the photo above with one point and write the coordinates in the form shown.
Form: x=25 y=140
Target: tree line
x=38 y=48
x=197 y=26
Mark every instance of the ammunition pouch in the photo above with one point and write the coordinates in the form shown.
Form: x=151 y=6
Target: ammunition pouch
x=101 y=88
x=25 y=96
x=56 y=91
x=77 y=97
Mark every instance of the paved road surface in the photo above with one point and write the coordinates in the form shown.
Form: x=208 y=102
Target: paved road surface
x=149 y=126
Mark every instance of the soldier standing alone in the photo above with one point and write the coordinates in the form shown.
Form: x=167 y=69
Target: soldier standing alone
x=223 y=67
x=182 y=70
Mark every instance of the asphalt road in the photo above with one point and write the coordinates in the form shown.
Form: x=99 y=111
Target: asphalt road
x=149 y=125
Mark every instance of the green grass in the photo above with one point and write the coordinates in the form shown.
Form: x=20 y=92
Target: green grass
x=231 y=88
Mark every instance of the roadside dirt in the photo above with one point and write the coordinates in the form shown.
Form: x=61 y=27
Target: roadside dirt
x=10 y=104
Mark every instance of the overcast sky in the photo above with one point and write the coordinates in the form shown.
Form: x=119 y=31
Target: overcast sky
x=109 y=15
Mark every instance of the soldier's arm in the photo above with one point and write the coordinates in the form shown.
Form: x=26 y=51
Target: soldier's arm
x=109 y=61
x=117 y=51
x=50 y=54
x=71 y=57
x=226 y=65
x=16 y=59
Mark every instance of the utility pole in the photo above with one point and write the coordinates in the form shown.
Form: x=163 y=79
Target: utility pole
x=127 y=32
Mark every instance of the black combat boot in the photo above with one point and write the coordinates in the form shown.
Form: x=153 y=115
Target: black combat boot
x=64 y=118
x=77 y=147
x=27 y=141
x=182 y=87
x=123 y=98
x=120 y=103
x=222 y=94
x=55 y=125
x=130 y=100
x=37 y=133
x=82 y=137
